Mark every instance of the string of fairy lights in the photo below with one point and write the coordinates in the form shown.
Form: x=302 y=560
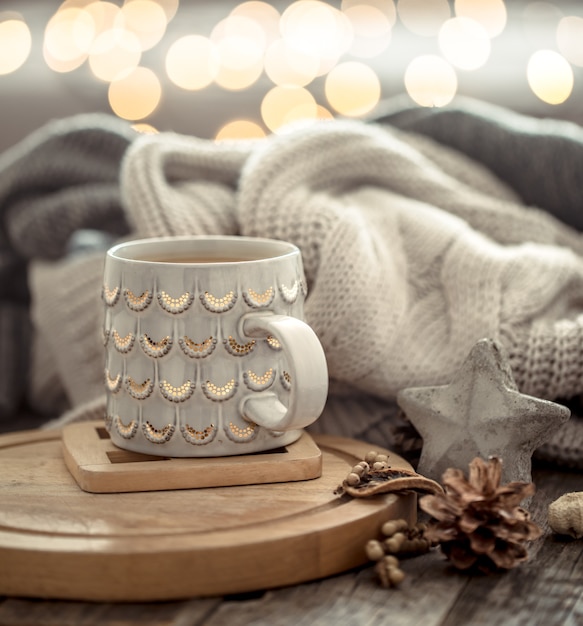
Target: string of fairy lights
x=291 y=48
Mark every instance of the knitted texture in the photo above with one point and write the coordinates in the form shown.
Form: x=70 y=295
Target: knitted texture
x=14 y=338
x=62 y=178
x=425 y=281
x=58 y=180
x=201 y=194
x=413 y=252
x=68 y=313
x=540 y=159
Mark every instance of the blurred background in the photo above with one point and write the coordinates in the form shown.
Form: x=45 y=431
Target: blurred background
x=222 y=70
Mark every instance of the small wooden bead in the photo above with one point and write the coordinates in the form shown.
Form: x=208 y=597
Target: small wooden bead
x=394 y=526
x=370 y=457
x=374 y=550
x=353 y=479
x=395 y=575
x=388 y=571
x=393 y=544
x=390 y=560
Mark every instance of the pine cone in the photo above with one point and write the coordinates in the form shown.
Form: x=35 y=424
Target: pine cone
x=478 y=523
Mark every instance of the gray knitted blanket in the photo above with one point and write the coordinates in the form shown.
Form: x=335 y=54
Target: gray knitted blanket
x=422 y=231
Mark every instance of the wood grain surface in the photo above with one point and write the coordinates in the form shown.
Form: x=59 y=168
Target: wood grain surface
x=59 y=541
x=99 y=466
x=545 y=591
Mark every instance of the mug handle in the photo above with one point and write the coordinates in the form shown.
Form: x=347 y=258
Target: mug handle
x=307 y=368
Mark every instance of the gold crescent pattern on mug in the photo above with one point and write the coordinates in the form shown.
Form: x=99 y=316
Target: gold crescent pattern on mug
x=290 y=294
x=177 y=394
x=123 y=344
x=218 y=305
x=286 y=381
x=175 y=305
x=156 y=349
x=158 y=435
x=198 y=437
x=238 y=349
x=112 y=383
x=259 y=300
x=259 y=383
x=273 y=343
x=220 y=394
x=241 y=435
x=110 y=296
x=139 y=391
x=137 y=303
x=127 y=431
x=197 y=350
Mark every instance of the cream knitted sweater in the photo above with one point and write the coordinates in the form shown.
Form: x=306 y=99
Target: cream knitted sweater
x=407 y=266
x=412 y=253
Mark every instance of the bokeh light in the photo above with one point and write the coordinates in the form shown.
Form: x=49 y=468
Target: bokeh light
x=570 y=39
x=464 y=43
x=371 y=28
x=386 y=7
x=240 y=27
x=301 y=50
x=550 y=76
x=286 y=66
x=240 y=129
x=431 y=81
x=68 y=38
x=490 y=14
x=144 y=129
x=353 y=89
x=240 y=43
x=284 y=105
x=322 y=113
x=423 y=17
x=114 y=53
x=146 y=19
x=192 y=62
x=170 y=7
x=105 y=15
x=317 y=29
x=266 y=15
x=136 y=95
x=15 y=45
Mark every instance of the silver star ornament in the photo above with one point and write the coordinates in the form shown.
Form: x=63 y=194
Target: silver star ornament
x=480 y=413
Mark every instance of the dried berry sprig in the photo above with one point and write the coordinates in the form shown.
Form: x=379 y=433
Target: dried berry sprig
x=386 y=565
x=374 y=475
x=405 y=540
x=388 y=571
x=478 y=523
x=398 y=538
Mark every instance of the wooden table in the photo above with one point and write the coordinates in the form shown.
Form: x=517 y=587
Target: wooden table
x=548 y=590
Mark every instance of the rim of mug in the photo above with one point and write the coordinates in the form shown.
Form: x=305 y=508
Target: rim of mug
x=285 y=249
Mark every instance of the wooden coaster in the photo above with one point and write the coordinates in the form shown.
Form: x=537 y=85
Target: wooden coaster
x=99 y=466
x=58 y=541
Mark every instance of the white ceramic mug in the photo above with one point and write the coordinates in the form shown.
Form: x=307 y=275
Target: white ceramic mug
x=206 y=350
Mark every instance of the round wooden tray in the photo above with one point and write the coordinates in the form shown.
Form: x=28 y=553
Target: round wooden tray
x=58 y=541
